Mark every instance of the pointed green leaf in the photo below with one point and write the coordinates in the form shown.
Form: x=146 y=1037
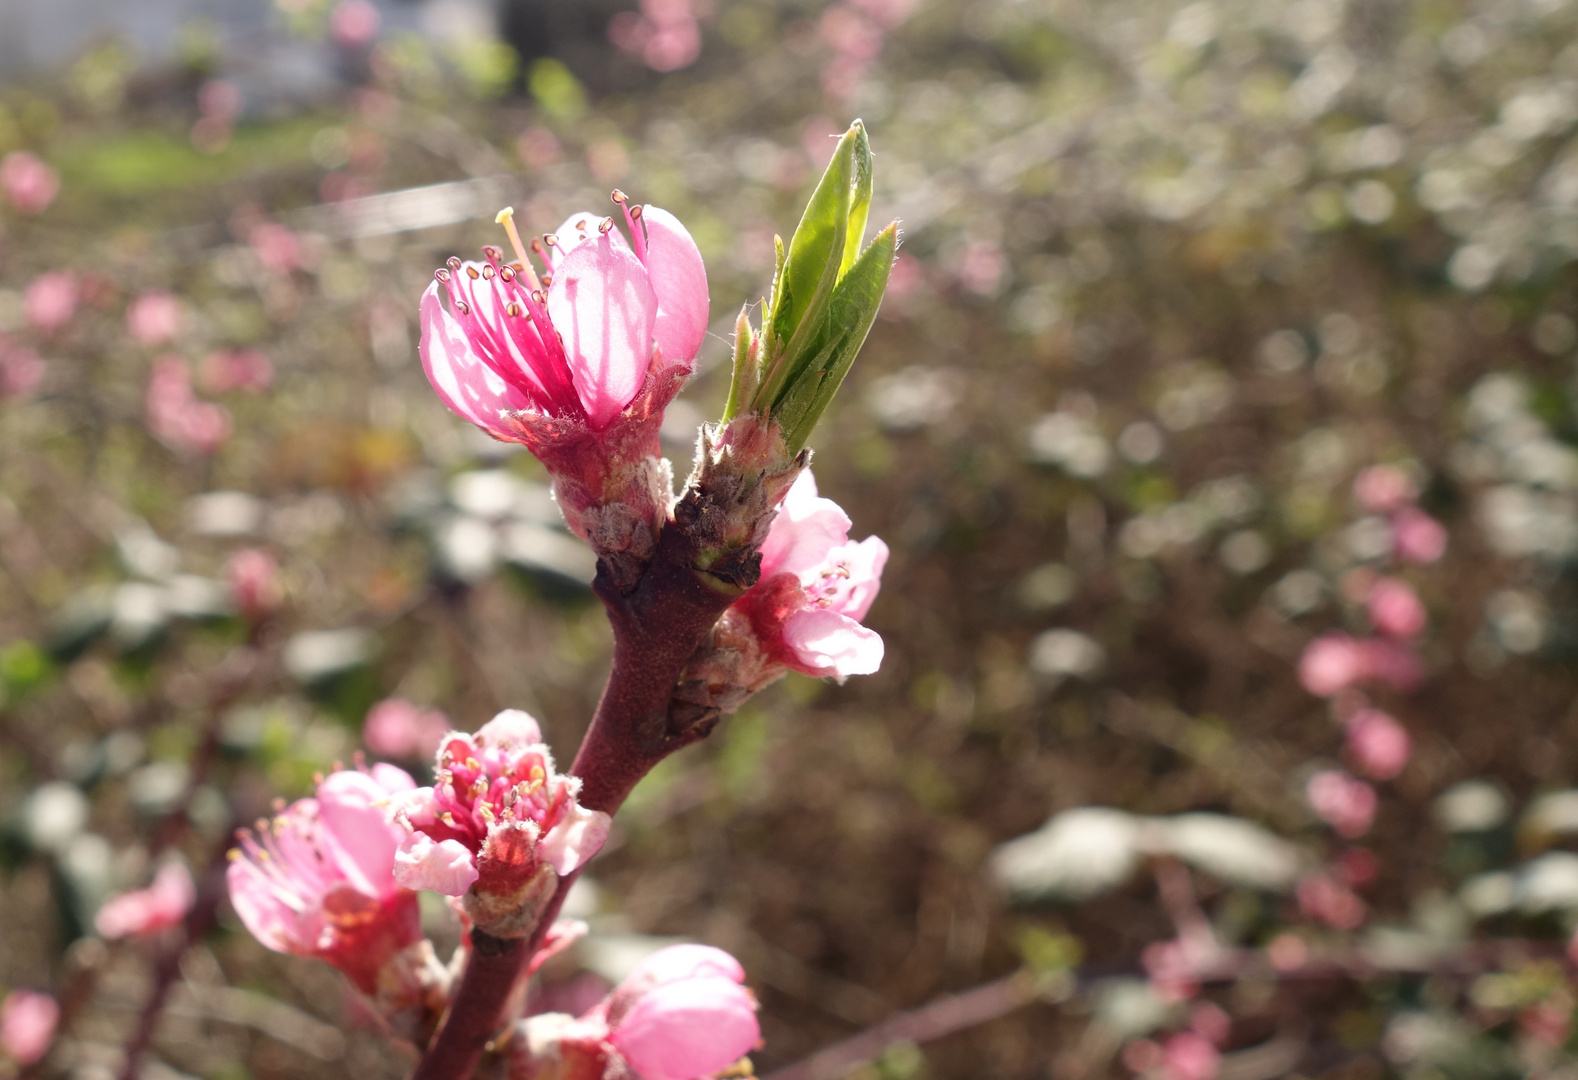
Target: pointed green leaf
x=743 y=382
x=850 y=314
x=860 y=199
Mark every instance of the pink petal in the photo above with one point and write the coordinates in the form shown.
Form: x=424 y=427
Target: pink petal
x=805 y=530
x=510 y=730
x=445 y=867
x=864 y=562
x=263 y=912
x=577 y=229
x=828 y=643
x=462 y=381
x=680 y=281
x=688 y=1029
x=574 y=840
x=687 y=961
x=604 y=308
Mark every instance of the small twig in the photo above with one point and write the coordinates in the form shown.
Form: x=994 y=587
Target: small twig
x=931 y=1021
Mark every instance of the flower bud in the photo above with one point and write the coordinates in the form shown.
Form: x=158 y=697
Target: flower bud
x=27 y=1025
x=683 y=1013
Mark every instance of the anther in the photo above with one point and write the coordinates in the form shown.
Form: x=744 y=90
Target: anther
x=507 y=272
x=465 y=308
x=452 y=262
x=537 y=295
x=618 y=197
x=442 y=274
x=512 y=308
x=606 y=224
x=487 y=271
x=635 y=211
x=471 y=272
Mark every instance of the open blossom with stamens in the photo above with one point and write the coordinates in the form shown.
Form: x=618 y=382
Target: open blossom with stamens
x=319 y=879
x=147 y=911
x=578 y=363
x=499 y=826
x=815 y=587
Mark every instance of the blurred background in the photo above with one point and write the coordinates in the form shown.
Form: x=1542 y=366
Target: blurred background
x=1221 y=419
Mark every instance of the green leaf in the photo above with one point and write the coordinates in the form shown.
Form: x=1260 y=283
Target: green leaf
x=743 y=382
x=851 y=311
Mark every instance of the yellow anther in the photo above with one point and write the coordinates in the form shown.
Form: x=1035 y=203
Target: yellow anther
x=537 y=774
x=506 y=218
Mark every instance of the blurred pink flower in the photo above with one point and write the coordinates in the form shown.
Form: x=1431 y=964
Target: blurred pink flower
x=538 y=148
x=354 y=23
x=176 y=417
x=1189 y=1055
x=20 y=369
x=27 y=1025
x=50 y=300
x=398 y=729
x=981 y=267
x=498 y=817
x=219 y=100
x=276 y=247
x=236 y=369
x=1330 y=663
x=1417 y=537
x=28 y=184
x=1395 y=609
x=1323 y=897
x=665 y=35
x=147 y=911
x=815 y=588
x=154 y=318
x=1211 y=1020
x=1343 y=802
x=1378 y=743
x=254 y=583
x=319 y=879
x=1392 y=663
x=1173 y=968
x=1382 y=489
x=682 y=1013
x=889 y=13
x=849 y=33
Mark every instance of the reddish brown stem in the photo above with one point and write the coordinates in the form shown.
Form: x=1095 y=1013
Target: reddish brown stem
x=657 y=626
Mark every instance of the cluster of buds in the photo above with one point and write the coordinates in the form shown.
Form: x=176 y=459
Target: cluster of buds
x=318 y=880
x=683 y=1013
x=498 y=828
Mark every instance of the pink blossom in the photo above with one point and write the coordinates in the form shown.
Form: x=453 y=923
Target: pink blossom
x=1417 y=537
x=27 y=1025
x=147 y=911
x=1382 y=489
x=353 y=23
x=175 y=415
x=1330 y=663
x=1172 y=966
x=398 y=729
x=236 y=369
x=683 y=1013
x=276 y=247
x=581 y=350
x=1334 y=662
x=20 y=369
x=1395 y=609
x=254 y=583
x=319 y=879
x=665 y=35
x=1212 y=1021
x=1343 y=802
x=1323 y=897
x=219 y=100
x=29 y=185
x=1378 y=743
x=154 y=318
x=815 y=588
x=890 y=13
x=1189 y=1055
x=50 y=300
x=496 y=817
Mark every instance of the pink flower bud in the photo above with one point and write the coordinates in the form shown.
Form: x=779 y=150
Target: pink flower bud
x=1323 y=897
x=1417 y=537
x=1331 y=663
x=354 y=23
x=1378 y=743
x=1189 y=1055
x=28 y=184
x=683 y=1013
x=20 y=369
x=154 y=318
x=147 y=911
x=50 y=300
x=1395 y=609
x=27 y=1025
x=398 y=729
x=254 y=583
x=276 y=247
x=1381 y=489
x=1343 y=802
x=176 y=417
